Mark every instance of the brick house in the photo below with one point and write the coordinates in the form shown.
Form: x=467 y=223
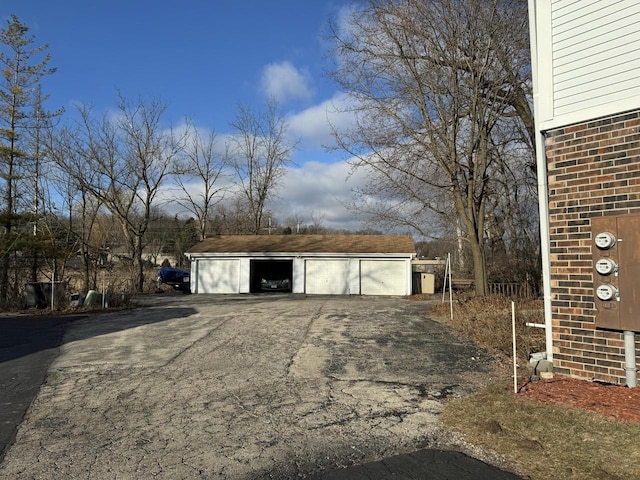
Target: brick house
x=586 y=73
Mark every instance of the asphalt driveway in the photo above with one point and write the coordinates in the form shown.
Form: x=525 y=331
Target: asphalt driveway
x=240 y=387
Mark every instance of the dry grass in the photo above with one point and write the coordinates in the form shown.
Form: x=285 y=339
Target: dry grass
x=546 y=442
x=487 y=321
x=541 y=441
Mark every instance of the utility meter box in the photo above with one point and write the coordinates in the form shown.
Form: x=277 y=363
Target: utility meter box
x=427 y=283
x=616 y=271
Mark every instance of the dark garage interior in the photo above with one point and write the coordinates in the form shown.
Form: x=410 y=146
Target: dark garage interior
x=274 y=272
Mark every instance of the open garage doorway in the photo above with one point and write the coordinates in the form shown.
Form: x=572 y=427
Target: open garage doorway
x=271 y=275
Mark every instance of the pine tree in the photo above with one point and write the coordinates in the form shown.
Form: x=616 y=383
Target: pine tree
x=20 y=106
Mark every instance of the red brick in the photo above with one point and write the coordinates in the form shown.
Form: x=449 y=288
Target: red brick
x=593 y=170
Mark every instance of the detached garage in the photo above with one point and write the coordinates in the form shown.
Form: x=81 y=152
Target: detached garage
x=312 y=264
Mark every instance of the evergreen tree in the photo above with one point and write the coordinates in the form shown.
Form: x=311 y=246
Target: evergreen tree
x=20 y=107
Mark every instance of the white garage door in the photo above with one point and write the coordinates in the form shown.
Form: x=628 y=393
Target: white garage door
x=218 y=276
x=327 y=277
x=383 y=277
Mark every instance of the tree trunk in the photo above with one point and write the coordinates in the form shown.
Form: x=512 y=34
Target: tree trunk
x=86 y=273
x=4 y=279
x=479 y=268
x=139 y=264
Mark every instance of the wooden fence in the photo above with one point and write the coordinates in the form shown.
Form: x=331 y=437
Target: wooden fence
x=512 y=289
x=518 y=290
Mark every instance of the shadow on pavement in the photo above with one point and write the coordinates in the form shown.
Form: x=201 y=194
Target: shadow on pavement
x=423 y=464
x=28 y=345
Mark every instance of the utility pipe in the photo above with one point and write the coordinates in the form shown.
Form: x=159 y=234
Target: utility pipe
x=541 y=74
x=630 y=358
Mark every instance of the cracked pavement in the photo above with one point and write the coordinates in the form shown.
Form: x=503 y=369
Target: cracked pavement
x=243 y=387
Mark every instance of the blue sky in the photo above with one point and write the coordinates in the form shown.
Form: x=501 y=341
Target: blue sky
x=202 y=58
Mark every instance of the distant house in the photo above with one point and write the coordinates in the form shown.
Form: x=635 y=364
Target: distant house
x=311 y=264
x=586 y=73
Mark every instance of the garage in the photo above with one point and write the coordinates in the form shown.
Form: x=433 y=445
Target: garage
x=271 y=275
x=327 y=277
x=219 y=275
x=303 y=264
x=382 y=277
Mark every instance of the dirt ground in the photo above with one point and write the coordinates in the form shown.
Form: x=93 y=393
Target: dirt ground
x=614 y=401
x=270 y=386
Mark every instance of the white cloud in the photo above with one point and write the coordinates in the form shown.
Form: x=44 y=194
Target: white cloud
x=345 y=20
x=286 y=82
x=314 y=189
x=321 y=190
x=314 y=126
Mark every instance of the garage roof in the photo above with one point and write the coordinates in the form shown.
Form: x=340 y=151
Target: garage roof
x=305 y=244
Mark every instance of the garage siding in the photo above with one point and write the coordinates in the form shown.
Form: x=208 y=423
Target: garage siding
x=218 y=276
x=383 y=277
x=349 y=276
x=327 y=277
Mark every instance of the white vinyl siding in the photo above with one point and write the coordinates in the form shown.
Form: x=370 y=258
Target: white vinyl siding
x=218 y=276
x=592 y=63
x=327 y=277
x=383 y=277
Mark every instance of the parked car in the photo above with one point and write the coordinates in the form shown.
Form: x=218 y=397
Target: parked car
x=275 y=284
x=179 y=279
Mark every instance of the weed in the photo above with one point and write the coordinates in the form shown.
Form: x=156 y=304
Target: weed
x=487 y=322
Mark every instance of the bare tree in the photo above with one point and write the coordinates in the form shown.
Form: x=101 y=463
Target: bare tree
x=231 y=217
x=259 y=151
x=131 y=154
x=79 y=208
x=199 y=176
x=430 y=87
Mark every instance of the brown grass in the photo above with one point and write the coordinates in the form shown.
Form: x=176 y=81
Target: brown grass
x=487 y=321
x=545 y=441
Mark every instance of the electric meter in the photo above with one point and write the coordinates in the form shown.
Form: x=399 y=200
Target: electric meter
x=606 y=292
x=605 y=240
x=606 y=266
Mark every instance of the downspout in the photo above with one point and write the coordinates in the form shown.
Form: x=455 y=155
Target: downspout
x=630 y=358
x=543 y=198
x=543 y=206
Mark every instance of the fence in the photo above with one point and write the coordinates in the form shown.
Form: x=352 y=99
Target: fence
x=517 y=290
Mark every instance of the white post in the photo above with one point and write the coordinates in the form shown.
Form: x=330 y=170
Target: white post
x=630 y=358
x=53 y=284
x=515 y=362
x=446 y=272
x=450 y=289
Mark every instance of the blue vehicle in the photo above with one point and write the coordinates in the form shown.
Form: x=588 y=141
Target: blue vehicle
x=179 y=279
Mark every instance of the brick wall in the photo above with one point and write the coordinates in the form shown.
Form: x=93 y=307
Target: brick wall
x=593 y=170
